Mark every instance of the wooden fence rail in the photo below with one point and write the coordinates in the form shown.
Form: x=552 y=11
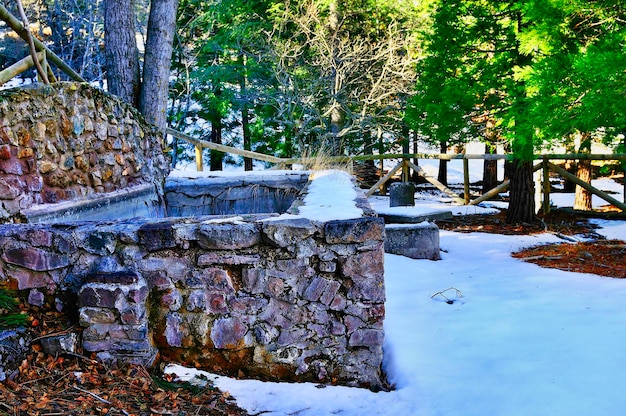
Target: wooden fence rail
x=405 y=162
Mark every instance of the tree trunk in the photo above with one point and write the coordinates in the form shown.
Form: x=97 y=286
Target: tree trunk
x=120 y=48
x=336 y=113
x=583 y=198
x=216 y=137
x=522 y=193
x=156 y=68
x=490 y=170
x=442 y=176
x=245 y=117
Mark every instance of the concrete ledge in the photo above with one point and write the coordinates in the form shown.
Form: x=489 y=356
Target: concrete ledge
x=138 y=201
x=415 y=218
x=417 y=241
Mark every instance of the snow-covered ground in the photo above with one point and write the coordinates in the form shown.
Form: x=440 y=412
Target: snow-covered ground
x=517 y=340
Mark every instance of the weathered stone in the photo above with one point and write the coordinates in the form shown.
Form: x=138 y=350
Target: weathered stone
x=157 y=236
x=417 y=241
x=5 y=152
x=314 y=291
x=14 y=347
x=59 y=344
x=366 y=338
x=209 y=259
x=366 y=272
x=35 y=258
x=284 y=233
x=329 y=292
x=91 y=315
x=100 y=295
x=254 y=280
x=36 y=298
x=172 y=300
x=29 y=279
x=228 y=333
x=8 y=191
x=354 y=231
x=173 y=332
x=401 y=194
x=225 y=236
x=197 y=301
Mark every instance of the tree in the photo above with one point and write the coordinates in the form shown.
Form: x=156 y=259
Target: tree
x=576 y=88
x=124 y=61
x=467 y=80
x=122 y=54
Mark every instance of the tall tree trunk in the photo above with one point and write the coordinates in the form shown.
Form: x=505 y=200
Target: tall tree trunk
x=522 y=193
x=583 y=198
x=217 y=157
x=415 y=177
x=337 y=117
x=120 y=48
x=442 y=176
x=245 y=117
x=156 y=68
x=490 y=170
x=522 y=188
x=570 y=166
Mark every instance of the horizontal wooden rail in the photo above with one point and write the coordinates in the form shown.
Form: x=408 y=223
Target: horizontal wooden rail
x=225 y=149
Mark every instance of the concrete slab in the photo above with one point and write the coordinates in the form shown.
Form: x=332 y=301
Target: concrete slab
x=416 y=241
x=405 y=218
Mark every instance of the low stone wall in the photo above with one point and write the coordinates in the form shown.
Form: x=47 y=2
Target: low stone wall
x=273 y=191
x=283 y=298
x=69 y=141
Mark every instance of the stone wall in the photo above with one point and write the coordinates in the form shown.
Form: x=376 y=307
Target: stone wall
x=278 y=298
x=69 y=141
x=272 y=191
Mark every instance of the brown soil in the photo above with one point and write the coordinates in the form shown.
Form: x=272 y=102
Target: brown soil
x=597 y=256
x=73 y=384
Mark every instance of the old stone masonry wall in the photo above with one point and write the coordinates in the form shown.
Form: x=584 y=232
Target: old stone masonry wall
x=69 y=141
x=257 y=295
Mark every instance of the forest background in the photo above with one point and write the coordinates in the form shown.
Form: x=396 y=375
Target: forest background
x=330 y=77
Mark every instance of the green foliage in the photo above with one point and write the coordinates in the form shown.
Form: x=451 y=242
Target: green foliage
x=282 y=65
x=8 y=305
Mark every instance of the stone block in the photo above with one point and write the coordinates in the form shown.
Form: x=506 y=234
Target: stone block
x=401 y=194
x=228 y=333
x=35 y=259
x=227 y=236
x=417 y=241
x=354 y=231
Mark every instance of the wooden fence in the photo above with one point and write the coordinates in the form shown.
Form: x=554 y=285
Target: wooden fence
x=405 y=164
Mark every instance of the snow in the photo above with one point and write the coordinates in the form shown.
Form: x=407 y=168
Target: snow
x=518 y=339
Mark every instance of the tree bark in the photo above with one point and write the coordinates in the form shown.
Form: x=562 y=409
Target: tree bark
x=522 y=193
x=216 y=137
x=337 y=117
x=157 y=60
x=490 y=170
x=442 y=175
x=245 y=116
x=120 y=48
x=582 y=197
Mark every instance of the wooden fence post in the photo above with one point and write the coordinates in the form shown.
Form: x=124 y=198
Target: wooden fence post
x=199 y=164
